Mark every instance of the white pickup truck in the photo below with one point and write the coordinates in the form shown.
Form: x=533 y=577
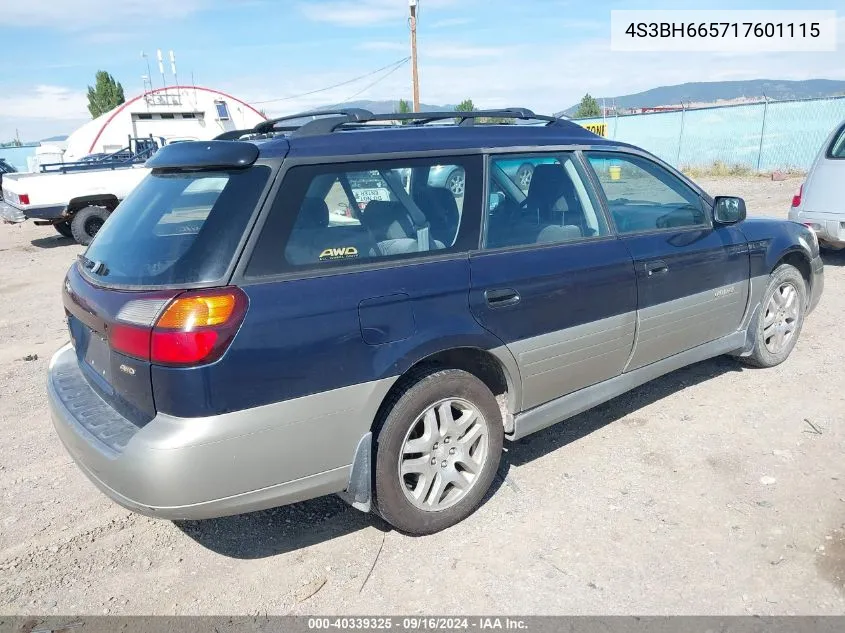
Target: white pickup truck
x=76 y=203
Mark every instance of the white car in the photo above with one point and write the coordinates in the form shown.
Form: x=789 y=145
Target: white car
x=820 y=202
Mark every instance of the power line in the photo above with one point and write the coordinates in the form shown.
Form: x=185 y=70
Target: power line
x=397 y=64
x=396 y=67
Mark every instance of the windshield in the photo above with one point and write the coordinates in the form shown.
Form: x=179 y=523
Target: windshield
x=176 y=228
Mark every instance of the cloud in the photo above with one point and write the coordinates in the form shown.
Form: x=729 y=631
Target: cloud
x=360 y=13
x=84 y=15
x=44 y=102
x=462 y=51
x=41 y=111
x=383 y=46
x=449 y=22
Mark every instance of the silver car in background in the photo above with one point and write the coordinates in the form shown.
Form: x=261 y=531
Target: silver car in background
x=820 y=202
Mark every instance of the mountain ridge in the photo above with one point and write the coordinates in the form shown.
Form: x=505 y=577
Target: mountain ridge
x=716 y=91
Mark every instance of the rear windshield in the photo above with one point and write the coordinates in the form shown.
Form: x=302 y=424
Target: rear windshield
x=837 y=148
x=176 y=228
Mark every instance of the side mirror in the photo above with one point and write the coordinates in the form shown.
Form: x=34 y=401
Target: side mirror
x=728 y=210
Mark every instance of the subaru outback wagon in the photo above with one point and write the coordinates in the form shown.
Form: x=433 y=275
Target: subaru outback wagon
x=302 y=313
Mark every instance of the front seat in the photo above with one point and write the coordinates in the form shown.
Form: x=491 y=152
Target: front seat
x=441 y=210
x=387 y=221
x=552 y=198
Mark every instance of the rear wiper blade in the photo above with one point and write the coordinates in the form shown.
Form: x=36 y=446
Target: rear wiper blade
x=96 y=268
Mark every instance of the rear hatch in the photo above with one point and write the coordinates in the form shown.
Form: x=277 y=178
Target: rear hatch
x=151 y=288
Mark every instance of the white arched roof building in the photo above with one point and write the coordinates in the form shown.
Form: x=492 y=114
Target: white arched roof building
x=173 y=112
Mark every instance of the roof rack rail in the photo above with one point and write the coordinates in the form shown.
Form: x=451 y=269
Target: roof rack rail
x=233 y=135
x=351 y=114
x=469 y=117
x=332 y=123
x=327 y=121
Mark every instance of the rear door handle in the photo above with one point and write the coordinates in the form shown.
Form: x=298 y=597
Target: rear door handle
x=501 y=297
x=656 y=267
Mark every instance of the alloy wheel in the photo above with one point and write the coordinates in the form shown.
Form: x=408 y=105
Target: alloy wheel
x=443 y=454
x=781 y=317
x=457 y=183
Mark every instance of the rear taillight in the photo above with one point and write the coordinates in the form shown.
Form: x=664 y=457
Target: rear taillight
x=130 y=340
x=195 y=327
x=796 y=199
x=23 y=198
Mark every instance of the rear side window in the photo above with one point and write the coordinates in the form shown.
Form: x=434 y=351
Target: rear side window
x=837 y=148
x=177 y=228
x=540 y=199
x=352 y=213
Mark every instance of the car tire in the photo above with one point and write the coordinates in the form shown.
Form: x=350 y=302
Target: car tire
x=455 y=422
x=87 y=222
x=63 y=229
x=456 y=182
x=777 y=326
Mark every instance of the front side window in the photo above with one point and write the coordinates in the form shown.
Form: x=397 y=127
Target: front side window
x=538 y=199
x=332 y=215
x=643 y=196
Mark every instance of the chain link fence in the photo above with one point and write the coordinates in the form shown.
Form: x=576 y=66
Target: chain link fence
x=765 y=136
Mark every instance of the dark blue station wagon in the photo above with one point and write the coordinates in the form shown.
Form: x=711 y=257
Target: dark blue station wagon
x=311 y=311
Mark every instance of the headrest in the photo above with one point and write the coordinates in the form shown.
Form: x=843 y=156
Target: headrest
x=313 y=214
x=548 y=182
x=387 y=220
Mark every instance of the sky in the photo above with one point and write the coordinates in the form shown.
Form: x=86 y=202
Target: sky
x=541 y=54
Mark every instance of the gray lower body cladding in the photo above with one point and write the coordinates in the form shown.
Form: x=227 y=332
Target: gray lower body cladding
x=572 y=404
x=571 y=359
x=668 y=336
x=672 y=327
x=194 y=468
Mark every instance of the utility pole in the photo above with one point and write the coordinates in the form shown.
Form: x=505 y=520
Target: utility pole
x=414 y=74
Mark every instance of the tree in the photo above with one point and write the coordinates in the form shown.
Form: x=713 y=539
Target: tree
x=403 y=107
x=465 y=106
x=587 y=108
x=106 y=95
x=468 y=106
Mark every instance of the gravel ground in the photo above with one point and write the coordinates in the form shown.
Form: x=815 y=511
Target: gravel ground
x=714 y=490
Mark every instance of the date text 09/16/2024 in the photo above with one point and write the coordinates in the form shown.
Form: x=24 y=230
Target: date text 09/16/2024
x=418 y=623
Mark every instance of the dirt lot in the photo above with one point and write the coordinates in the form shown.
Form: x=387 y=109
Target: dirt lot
x=714 y=490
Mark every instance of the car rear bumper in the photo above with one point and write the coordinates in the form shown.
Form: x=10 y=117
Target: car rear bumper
x=11 y=213
x=829 y=227
x=196 y=468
